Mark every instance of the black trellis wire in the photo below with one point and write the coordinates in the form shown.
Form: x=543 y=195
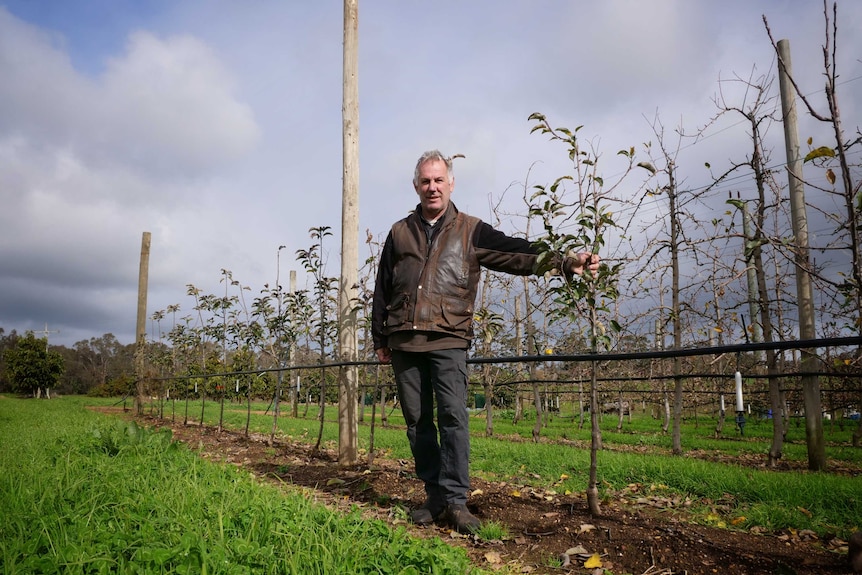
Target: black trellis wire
x=553 y=386
x=808 y=344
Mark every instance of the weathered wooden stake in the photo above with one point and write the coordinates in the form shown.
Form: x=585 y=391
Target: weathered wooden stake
x=348 y=444
x=141 y=327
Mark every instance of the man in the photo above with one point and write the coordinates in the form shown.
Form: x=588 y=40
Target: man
x=422 y=323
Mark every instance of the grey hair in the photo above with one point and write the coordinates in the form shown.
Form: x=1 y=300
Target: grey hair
x=434 y=156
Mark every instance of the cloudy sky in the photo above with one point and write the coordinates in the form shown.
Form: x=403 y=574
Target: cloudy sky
x=216 y=125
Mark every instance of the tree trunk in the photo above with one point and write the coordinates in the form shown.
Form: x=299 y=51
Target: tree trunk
x=519 y=408
x=384 y=419
x=221 y=407
x=489 y=396
x=519 y=351
x=293 y=387
x=622 y=411
x=857 y=434
x=595 y=445
x=203 y=400
x=537 y=401
x=374 y=393
x=666 y=420
x=675 y=311
x=321 y=412
x=275 y=410
x=581 y=403
x=537 y=396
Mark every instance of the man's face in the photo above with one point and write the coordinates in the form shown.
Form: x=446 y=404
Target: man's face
x=434 y=188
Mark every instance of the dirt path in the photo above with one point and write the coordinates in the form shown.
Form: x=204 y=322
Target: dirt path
x=639 y=533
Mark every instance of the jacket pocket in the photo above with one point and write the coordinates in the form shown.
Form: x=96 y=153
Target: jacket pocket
x=456 y=315
x=396 y=311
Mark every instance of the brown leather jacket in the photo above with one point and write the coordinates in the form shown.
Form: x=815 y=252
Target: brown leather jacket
x=430 y=286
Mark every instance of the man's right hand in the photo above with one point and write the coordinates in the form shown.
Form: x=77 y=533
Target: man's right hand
x=384 y=354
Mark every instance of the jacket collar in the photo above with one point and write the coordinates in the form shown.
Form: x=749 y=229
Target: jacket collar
x=450 y=214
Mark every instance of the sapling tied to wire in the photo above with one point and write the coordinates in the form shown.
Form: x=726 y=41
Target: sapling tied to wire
x=577 y=221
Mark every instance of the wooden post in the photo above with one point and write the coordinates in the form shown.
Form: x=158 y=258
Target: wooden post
x=141 y=326
x=348 y=444
x=804 y=297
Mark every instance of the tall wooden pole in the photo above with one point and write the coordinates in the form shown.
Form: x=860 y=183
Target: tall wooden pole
x=348 y=452
x=804 y=297
x=141 y=326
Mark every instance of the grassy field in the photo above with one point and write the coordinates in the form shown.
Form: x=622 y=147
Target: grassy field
x=81 y=492
x=738 y=490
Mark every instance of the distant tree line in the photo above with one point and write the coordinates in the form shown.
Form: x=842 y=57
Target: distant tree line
x=98 y=366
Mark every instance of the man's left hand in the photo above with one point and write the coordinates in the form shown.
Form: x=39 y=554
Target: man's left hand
x=583 y=261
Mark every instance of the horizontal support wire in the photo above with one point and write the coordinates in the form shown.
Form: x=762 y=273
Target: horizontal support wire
x=808 y=344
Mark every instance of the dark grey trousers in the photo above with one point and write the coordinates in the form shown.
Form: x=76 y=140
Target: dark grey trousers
x=424 y=378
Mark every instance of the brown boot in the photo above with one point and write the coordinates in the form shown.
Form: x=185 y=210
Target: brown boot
x=459 y=517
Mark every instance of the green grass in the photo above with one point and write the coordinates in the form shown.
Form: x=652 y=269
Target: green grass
x=636 y=460
x=84 y=493
x=493 y=531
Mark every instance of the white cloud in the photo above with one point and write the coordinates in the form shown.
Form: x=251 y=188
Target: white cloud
x=169 y=109
x=90 y=163
x=40 y=90
x=218 y=127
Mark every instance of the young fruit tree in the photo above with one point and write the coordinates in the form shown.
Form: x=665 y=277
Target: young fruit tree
x=585 y=212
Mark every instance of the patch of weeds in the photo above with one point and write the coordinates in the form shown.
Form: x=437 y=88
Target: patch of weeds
x=113 y=439
x=493 y=531
x=399 y=512
x=382 y=499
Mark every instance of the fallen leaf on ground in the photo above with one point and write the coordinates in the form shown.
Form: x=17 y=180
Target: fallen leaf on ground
x=577 y=550
x=593 y=562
